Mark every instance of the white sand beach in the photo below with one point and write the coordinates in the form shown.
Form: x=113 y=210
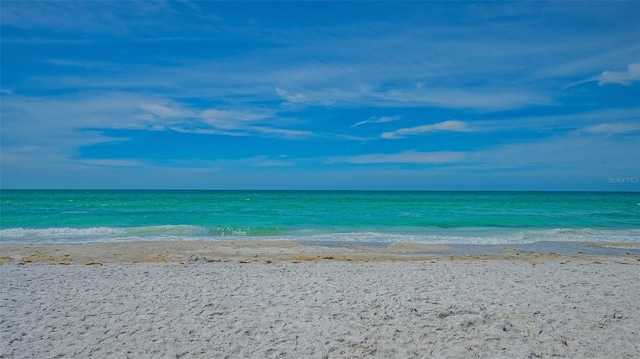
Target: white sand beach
x=287 y=302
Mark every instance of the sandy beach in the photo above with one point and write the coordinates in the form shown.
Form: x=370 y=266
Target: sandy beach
x=288 y=300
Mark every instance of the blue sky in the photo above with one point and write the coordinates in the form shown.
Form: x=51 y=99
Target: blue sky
x=321 y=95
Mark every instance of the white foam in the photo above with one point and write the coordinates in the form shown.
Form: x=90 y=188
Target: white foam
x=484 y=236
x=59 y=232
x=167 y=230
x=481 y=236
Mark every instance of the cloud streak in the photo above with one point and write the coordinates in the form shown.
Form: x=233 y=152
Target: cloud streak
x=374 y=119
x=117 y=18
x=410 y=96
x=583 y=154
x=404 y=157
x=614 y=128
x=446 y=126
x=631 y=75
x=624 y=78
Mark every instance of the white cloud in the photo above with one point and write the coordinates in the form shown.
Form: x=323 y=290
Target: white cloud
x=232 y=119
x=577 y=155
x=576 y=121
x=35 y=128
x=614 y=128
x=165 y=111
x=281 y=132
x=89 y=65
x=588 y=62
x=374 y=119
x=404 y=157
x=452 y=126
x=486 y=99
x=620 y=77
x=267 y=161
x=295 y=98
x=112 y=163
x=63 y=124
x=93 y=16
x=626 y=78
x=596 y=156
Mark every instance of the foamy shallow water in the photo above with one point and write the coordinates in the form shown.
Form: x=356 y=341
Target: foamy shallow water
x=482 y=218
x=480 y=236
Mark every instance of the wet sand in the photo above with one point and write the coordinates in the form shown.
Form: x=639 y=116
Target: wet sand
x=262 y=251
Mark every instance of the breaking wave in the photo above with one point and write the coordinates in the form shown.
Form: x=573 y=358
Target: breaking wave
x=197 y=233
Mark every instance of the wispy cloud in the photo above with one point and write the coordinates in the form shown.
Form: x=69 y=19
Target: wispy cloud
x=33 y=125
x=412 y=96
x=111 y=163
x=620 y=77
x=452 y=126
x=614 y=128
x=404 y=157
x=573 y=121
x=232 y=119
x=589 y=62
x=96 y=16
x=268 y=161
x=584 y=154
x=281 y=132
x=591 y=155
x=374 y=119
x=61 y=124
x=487 y=99
x=625 y=78
x=291 y=97
x=164 y=111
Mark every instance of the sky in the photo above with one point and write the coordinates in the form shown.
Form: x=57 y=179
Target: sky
x=420 y=95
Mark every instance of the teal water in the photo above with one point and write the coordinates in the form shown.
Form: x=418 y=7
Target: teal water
x=377 y=216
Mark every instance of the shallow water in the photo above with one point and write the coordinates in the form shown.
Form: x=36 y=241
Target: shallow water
x=320 y=216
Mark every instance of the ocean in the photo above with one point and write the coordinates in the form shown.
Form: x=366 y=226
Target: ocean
x=94 y=216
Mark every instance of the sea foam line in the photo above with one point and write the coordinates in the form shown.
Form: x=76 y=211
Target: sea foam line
x=196 y=233
x=164 y=230
x=59 y=232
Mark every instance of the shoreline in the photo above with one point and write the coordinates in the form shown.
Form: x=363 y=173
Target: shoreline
x=271 y=251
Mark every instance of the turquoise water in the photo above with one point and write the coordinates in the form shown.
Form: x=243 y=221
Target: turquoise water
x=429 y=217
